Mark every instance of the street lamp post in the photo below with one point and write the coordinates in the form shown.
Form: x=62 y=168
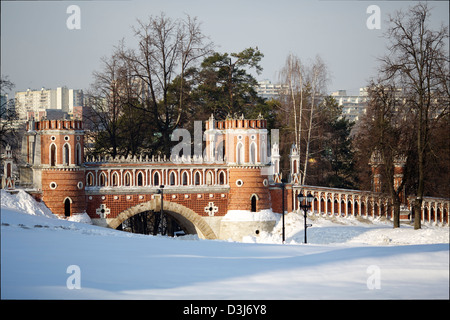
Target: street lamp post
x=282 y=216
x=309 y=198
x=161 y=215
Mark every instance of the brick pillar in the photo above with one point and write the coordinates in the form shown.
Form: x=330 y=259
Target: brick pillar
x=399 y=166
x=376 y=162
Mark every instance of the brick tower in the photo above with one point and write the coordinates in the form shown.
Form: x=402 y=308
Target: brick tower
x=399 y=167
x=376 y=162
x=54 y=153
x=8 y=179
x=243 y=144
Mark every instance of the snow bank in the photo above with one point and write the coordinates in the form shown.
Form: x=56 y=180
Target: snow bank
x=80 y=217
x=22 y=201
x=350 y=230
x=37 y=251
x=246 y=215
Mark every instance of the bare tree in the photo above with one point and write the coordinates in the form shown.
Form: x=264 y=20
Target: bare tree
x=317 y=83
x=305 y=87
x=418 y=61
x=7 y=114
x=384 y=135
x=194 y=46
x=166 y=48
x=291 y=76
x=104 y=100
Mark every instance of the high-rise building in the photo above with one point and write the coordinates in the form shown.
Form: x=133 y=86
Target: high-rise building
x=268 y=90
x=76 y=98
x=36 y=103
x=353 y=106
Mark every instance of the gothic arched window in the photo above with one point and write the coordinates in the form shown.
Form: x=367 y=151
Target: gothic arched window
x=53 y=155
x=115 y=179
x=102 y=179
x=253 y=203
x=239 y=153
x=197 y=178
x=78 y=155
x=156 y=179
x=140 y=179
x=209 y=178
x=67 y=203
x=90 y=179
x=172 y=179
x=185 y=178
x=253 y=153
x=128 y=179
x=222 y=177
x=66 y=154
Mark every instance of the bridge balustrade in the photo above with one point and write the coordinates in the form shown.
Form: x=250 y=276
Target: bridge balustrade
x=344 y=203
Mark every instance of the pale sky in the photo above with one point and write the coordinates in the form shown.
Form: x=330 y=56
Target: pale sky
x=38 y=50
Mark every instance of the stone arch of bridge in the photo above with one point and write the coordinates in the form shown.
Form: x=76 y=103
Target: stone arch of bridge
x=186 y=217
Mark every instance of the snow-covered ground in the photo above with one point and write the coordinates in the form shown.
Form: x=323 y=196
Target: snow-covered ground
x=43 y=257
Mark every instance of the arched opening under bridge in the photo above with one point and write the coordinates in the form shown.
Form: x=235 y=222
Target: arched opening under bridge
x=187 y=219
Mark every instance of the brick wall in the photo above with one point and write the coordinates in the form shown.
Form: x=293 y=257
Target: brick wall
x=59 y=184
x=194 y=201
x=277 y=199
x=252 y=184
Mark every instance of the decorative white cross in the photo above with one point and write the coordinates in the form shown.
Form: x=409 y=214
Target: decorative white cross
x=211 y=209
x=103 y=211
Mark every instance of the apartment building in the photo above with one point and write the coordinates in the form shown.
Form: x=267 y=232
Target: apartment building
x=266 y=89
x=353 y=106
x=35 y=103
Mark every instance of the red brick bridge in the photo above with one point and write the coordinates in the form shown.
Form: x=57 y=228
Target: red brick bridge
x=231 y=190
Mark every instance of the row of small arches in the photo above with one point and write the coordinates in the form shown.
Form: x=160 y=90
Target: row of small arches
x=157 y=178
